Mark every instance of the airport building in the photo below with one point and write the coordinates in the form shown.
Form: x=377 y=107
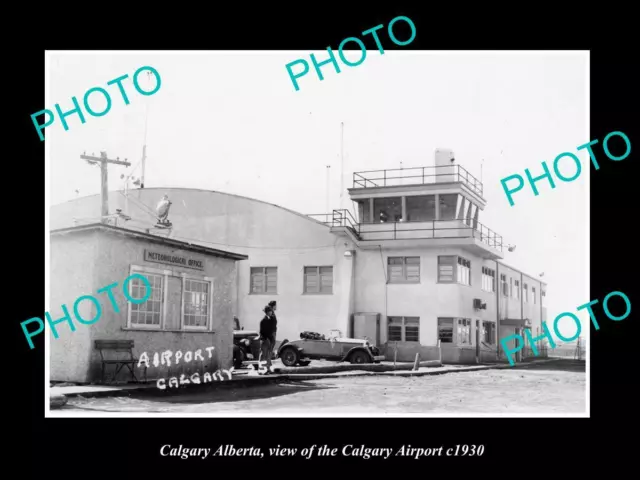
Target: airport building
x=412 y=269
x=189 y=307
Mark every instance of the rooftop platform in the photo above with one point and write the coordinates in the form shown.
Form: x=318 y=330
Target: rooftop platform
x=417 y=176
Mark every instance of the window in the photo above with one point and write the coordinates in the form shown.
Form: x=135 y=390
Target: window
x=448 y=274
x=533 y=294
x=517 y=295
x=318 y=279
x=504 y=284
x=488 y=280
x=464 y=271
x=542 y=295
x=526 y=293
x=403 y=329
x=464 y=331
x=489 y=333
x=445 y=330
x=448 y=205
x=511 y=286
x=421 y=208
x=387 y=209
x=148 y=313
x=264 y=280
x=196 y=304
x=177 y=301
x=404 y=269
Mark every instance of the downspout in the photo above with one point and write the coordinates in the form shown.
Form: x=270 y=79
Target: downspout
x=498 y=312
x=522 y=307
x=539 y=343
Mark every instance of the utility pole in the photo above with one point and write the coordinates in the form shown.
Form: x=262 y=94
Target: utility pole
x=104 y=195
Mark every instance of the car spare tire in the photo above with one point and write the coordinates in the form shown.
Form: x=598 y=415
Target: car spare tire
x=289 y=356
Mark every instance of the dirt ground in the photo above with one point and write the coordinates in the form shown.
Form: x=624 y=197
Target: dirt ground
x=547 y=388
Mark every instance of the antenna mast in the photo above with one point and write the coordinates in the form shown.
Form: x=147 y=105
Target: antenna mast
x=328 y=180
x=341 y=164
x=144 y=146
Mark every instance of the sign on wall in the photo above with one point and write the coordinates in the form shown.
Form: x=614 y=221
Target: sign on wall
x=173 y=259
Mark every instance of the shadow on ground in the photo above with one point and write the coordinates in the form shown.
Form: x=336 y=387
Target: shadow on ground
x=227 y=393
x=561 y=364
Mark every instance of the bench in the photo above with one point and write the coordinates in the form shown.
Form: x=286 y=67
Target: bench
x=123 y=350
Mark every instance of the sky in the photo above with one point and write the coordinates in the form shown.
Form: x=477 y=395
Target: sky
x=233 y=122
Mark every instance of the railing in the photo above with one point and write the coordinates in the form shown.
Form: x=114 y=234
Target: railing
x=344 y=218
x=399 y=231
x=419 y=176
x=337 y=218
x=404 y=230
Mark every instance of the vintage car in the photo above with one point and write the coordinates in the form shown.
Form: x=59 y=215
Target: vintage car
x=315 y=346
x=246 y=347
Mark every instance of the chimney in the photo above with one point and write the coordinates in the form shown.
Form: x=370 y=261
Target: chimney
x=446 y=169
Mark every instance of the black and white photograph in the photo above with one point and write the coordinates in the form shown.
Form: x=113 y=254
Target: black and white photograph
x=345 y=233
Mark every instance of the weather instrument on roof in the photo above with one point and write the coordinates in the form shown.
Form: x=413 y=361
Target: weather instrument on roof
x=162 y=211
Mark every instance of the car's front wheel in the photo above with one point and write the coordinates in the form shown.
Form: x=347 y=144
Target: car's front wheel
x=359 y=357
x=289 y=356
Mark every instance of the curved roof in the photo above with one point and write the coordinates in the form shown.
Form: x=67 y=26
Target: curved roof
x=204 y=216
x=97 y=195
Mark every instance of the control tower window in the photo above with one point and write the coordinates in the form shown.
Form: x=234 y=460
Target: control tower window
x=387 y=210
x=421 y=208
x=448 y=205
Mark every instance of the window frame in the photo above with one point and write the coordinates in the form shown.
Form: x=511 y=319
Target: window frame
x=317 y=267
x=486 y=274
x=142 y=270
x=493 y=329
x=457 y=322
x=455 y=337
x=405 y=278
x=533 y=294
x=517 y=290
x=461 y=261
x=190 y=328
x=264 y=280
x=403 y=328
x=525 y=291
x=453 y=329
x=455 y=264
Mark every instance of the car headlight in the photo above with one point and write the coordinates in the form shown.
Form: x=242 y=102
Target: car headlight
x=247 y=342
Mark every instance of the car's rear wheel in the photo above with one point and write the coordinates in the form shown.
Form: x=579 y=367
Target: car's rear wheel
x=359 y=357
x=289 y=356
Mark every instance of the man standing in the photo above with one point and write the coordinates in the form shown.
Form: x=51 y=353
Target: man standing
x=273 y=306
x=267 y=328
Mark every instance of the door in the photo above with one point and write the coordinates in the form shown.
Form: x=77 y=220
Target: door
x=367 y=326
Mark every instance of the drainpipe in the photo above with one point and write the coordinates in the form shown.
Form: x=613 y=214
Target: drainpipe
x=498 y=293
x=522 y=307
x=540 y=286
